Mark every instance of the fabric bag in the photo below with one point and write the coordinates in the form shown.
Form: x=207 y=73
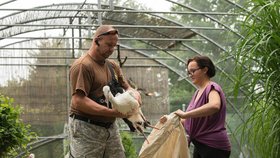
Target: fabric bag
x=169 y=141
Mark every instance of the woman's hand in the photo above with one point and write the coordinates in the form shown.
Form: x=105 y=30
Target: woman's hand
x=180 y=113
x=183 y=122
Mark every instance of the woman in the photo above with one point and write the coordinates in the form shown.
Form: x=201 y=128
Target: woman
x=204 y=119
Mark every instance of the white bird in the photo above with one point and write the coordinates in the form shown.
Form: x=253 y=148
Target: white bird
x=126 y=103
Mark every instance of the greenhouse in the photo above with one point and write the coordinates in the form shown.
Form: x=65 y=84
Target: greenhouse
x=40 y=40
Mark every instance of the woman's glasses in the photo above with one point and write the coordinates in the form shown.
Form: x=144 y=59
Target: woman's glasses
x=191 y=71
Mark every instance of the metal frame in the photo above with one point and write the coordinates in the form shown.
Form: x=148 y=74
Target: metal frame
x=200 y=37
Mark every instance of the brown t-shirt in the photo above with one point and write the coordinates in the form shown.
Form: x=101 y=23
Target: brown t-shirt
x=90 y=76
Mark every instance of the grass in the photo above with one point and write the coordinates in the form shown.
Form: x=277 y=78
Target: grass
x=257 y=71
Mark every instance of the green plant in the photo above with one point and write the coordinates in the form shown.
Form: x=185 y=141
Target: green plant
x=130 y=151
x=14 y=134
x=257 y=73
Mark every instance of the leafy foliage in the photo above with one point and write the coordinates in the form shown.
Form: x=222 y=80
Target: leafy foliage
x=130 y=151
x=14 y=134
x=257 y=72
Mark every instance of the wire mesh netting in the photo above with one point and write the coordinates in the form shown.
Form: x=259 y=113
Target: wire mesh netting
x=39 y=42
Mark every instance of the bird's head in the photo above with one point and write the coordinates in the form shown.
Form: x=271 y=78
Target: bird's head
x=106 y=91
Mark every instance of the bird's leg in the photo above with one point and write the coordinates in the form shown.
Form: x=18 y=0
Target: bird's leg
x=146 y=138
x=142 y=132
x=147 y=123
x=154 y=127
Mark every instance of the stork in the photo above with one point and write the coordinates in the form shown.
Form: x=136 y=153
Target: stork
x=126 y=103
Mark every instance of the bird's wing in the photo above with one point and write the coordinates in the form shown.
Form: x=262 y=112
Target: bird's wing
x=125 y=103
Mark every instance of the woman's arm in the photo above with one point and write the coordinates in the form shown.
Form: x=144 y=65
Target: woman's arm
x=207 y=109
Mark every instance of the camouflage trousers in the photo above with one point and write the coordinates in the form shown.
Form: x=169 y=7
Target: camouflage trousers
x=92 y=141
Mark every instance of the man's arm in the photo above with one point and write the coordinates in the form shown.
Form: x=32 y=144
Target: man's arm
x=88 y=106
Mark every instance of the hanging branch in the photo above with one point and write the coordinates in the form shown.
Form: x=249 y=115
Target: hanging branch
x=119 y=57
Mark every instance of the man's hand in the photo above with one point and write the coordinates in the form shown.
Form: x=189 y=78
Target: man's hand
x=121 y=115
x=137 y=95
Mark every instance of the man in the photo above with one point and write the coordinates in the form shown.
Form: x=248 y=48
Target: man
x=93 y=131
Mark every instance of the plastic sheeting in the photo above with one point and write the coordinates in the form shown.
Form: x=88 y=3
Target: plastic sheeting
x=170 y=141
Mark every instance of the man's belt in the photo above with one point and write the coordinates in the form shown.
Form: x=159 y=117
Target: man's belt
x=101 y=124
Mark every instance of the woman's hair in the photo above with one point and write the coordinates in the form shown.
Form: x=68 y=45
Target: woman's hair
x=202 y=62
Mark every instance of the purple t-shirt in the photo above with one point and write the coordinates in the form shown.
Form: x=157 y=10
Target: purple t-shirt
x=209 y=130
